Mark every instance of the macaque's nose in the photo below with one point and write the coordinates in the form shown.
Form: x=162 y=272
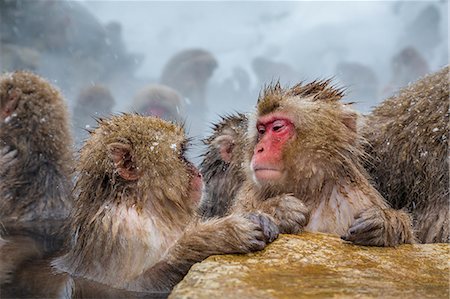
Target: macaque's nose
x=259 y=149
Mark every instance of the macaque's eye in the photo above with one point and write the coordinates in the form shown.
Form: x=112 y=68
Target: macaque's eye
x=261 y=130
x=278 y=125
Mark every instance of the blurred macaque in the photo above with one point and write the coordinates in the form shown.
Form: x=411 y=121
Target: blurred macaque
x=303 y=165
x=424 y=31
x=188 y=72
x=268 y=71
x=408 y=144
x=407 y=66
x=93 y=102
x=360 y=80
x=35 y=169
x=134 y=223
x=159 y=100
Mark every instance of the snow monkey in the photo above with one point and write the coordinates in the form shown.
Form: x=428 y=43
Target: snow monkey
x=35 y=169
x=304 y=167
x=221 y=165
x=133 y=223
x=408 y=136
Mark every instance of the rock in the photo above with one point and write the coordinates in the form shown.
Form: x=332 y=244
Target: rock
x=319 y=266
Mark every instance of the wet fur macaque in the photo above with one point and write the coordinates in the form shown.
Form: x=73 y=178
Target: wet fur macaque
x=222 y=165
x=408 y=143
x=304 y=168
x=134 y=226
x=35 y=169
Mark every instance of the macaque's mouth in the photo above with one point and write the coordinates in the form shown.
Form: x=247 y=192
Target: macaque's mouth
x=264 y=173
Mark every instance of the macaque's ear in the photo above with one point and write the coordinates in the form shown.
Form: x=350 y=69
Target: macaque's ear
x=121 y=156
x=12 y=101
x=225 y=144
x=350 y=120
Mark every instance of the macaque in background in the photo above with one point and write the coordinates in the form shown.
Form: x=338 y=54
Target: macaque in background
x=221 y=167
x=268 y=70
x=304 y=168
x=361 y=80
x=407 y=66
x=35 y=168
x=188 y=72
x=159 y=100
x=408 y=143
x=133 y=224
x=93 y=101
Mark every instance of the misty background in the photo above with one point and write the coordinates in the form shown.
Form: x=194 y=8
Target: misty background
x=121 y=56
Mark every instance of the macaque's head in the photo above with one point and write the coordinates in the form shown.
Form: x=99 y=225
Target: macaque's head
x=29 y=101
x=23 y=94
x=300 y=133
x=159 y=100
x=94 y=100
x=143 y=156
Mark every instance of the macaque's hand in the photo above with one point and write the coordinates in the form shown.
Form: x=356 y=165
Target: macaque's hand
x=255 y=231
x=380 y=227
x=290 y=213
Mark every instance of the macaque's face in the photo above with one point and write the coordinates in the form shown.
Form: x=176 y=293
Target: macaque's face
x=274 y=130
x=196 y=184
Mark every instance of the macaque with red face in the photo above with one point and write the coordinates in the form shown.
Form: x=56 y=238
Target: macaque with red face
x=134 y=226
x=304 y=168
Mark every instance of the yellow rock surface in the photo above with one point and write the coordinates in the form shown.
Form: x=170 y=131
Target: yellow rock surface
x=322 y=266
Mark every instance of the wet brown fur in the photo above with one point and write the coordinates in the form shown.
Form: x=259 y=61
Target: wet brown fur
x=223 y=178
x=408 y=134
x=133 y=224
x=35 y=188
x=324 y=186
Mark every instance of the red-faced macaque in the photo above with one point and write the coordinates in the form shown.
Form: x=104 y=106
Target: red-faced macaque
x=221 y=167
x=304 y=168
x=35 y=168
x=159 y=100
x=408 y=136
x=134 y=224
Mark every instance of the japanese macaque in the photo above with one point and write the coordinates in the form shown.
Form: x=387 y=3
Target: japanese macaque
x=407 y=66
x=304 y=168
x=133 y=224
x=361 y=79
x=36 y=160
x=159 y=100
x=35 y=169
x=221 y=167
x=188 y=72
x=267 y=70
x=408 y=136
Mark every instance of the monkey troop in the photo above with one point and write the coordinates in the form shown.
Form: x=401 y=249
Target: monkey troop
x=133 y=223
x=296 y=163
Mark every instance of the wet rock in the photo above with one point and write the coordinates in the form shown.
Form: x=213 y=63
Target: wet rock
x=322 y=266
